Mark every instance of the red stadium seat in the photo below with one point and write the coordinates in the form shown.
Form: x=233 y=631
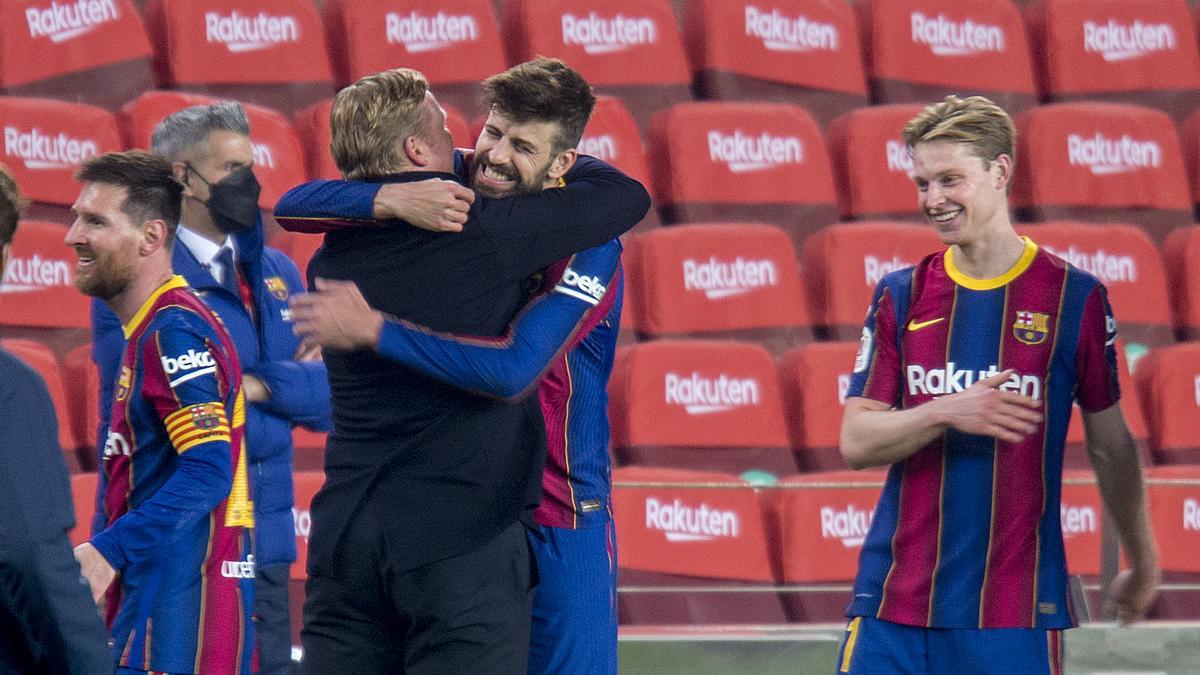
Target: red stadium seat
x=818 y=524
x=723 y=281
x=1181 y=259
x=93 y=52
x=455 y=45
x=268 y=52
x=844 y=263
x=698 y=404
x=1168 y=380
x=763 y=162
x=41 y=275
x=309 y=447
x=673 y=534
x=44 y=143
x=1133 y=410
x=1189 y=142
x=1124 y=258
x=1081 y=514
x=625 y=48
x=814 y=380
x=1101 y=162
x=791 y=51
x=871 y=164
x=918 y=51
x=1174 y=500
x=82 y=386
x=83 y=494
x=613 y=136
x=306 y=484
x=39 y=357
x=1123 y=51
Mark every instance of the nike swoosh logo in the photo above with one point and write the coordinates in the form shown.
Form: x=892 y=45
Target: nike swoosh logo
x=913 y=324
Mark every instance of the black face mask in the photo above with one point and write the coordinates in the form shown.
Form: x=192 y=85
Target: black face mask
x=233 y=200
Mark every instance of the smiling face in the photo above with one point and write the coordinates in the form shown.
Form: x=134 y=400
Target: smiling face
x=105 y=239
x=962 y=195
x=514 y=158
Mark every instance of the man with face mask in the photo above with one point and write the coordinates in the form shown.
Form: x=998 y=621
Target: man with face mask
x=219 y=251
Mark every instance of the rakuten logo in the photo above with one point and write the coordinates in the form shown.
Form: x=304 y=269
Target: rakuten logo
x=192 y=359
x=419 y=33
x=850 y=524
x=302 y=520
x=898 y=158
x=1191 y=515
x=782 y=33
x=603 y=35
x=1103 y=155
x=65 y=21
x=241 y=33
x=744 y=152
x=115 y=445
x=877 y=268
x=720 y=279
x=956 y=38
x=35 y=274
x=682 y=522
x=951 y=380
x=1077 y=520
x=263 y=157
x=587 y=288
x=1120 y=42
x=40 y=151
x=703 y=395
x=1106 y=266
x=602 y=147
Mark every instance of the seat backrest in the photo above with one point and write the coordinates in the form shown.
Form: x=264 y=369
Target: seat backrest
x=38 y=288
x=843 y=264
x=814 y=380
x=1129 y=51
x=871 y=164
x=792 y=51
x=94 y=52
x=1181 y=259
x=39 y=357
x=720 y=279
x=612 y=135
x=1101 y=162
x=1134 y=407
x=917 y=51
x=1168 y=380
x=83 y=494
x=82 y=387
x=1173 y=495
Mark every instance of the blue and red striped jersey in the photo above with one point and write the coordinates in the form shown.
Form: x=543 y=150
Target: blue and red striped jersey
x=177 y=504
x=966 y=533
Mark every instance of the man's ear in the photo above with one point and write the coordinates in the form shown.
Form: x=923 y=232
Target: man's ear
x=1003 y=171
x=154 y=236
x=562 y=163
x=416 y=151
x=180 y=169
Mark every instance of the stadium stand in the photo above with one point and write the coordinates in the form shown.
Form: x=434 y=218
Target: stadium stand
x=814 y=380
x=613 y=136
x=1189 y=142
x=629 y=49
x=1168 y=380
x=95 y=53
x=728 y=281
x=817 y=524
x=81 y=383
x=44 y=142
x=309 y=448
x=39 y=357
x=268 y=52
x=844 y=262
x=83 y=493
x=1174 y=499
x=1101 y=162
x=762 y=162
x=1123 y=51
x=1181 y=260
x=1132 y=409
x=918 y=51
x=455 y=45
x=692 y=404
x=871 y=164
x=679 y=535
x=39 y=284
x=804 y=52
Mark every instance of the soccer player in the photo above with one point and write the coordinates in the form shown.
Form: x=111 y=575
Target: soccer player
x=967 y=370
x=574 y=610
x=460 y=284
x=173 y=560
x=219 y=251
x=48 y=623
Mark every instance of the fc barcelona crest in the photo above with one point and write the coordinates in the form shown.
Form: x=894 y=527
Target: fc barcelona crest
x=205 y=416
x=1031 y=327
x=277 y=288
x=123 y=383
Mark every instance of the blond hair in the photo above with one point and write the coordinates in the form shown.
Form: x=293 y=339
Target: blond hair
x=370 y=119
x=974 y=121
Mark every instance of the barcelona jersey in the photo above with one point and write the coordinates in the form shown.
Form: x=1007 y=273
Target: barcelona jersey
x=966 y=533
x=176 y=500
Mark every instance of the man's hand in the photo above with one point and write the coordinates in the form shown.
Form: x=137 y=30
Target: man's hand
x=254 y=390
x=985 y=410
x=96 y=570
x=436 y=205
x=1132 y=593
x=336 y=316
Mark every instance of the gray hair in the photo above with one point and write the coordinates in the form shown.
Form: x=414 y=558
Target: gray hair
x=180 y=131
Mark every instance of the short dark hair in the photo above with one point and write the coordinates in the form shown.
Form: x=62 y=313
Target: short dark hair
x=153 y=192
x=11 y=206
x=543 y=90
